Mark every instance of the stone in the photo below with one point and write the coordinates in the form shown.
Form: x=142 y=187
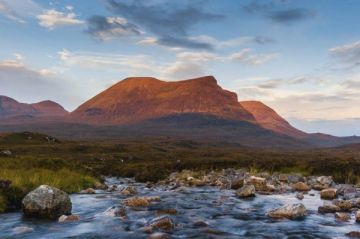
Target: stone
x=5 y=153
x=88 y=191
x=140 y=201
x=340 y=216
x=344 y=205
x=101 y=186
x=283 y=178
x=353 y=234
x=294 y=211
x=172 y=211
x=200 y=224
x=116 y=211
x=128 y=191
x=300 y=186
x=300 y=196
x=68 y=218
x=258 y=182
x=164 y=223
x=237 y=183
x=294 y=178
x=246 y=191
x=46 y=202
x=357 y=216
x=329 y=208
x=329 y=193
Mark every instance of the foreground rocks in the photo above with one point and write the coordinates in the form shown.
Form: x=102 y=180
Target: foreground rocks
x=329 y=193
x=164 y=223
x=295 y=211
x=46 y=202
x=246 y=191
x=140 y=201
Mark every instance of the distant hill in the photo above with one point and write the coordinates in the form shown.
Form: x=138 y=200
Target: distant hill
x=10 y=108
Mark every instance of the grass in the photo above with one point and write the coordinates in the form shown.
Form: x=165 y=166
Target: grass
x=72 y=166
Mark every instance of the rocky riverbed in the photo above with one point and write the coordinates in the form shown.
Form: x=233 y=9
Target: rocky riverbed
x=225 y=204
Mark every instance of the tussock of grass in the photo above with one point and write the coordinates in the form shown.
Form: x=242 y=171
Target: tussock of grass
x=64 y=179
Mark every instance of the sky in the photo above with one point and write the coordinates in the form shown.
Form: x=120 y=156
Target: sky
x=300 y=57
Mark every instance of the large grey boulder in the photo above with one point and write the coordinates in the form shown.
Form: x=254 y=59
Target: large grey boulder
x=46 y=202
x=289 y=211
x=246 y=191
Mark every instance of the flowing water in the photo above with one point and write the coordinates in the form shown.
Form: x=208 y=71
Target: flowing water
x=226 y=216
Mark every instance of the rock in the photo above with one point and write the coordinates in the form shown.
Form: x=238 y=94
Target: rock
x=164 y=223
x=325 y=180
x=88 y=191
x=159 y=235
x=329 y=208
x=129 y=191
x=140 y=201
x=197 y=182
x=200 y=224
x=329 y=193
x=46 y=202
x=300 y=186
x=246 y=191
x=22 y=230
x=294 y=178
x=5 y=153
x=340 y=216
x=289 y=211
x=101 y=186
x=237 y=183
x=353 y=234
x=259 y=183
x=344 y=205
x=116 y=211
x=69 y=218
x=357 y=216
x=300 y=196
x=167 y=211
x=283 y=178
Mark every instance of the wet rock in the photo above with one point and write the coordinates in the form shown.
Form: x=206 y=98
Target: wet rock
x=159 y=235
x=325 y=180
x=353 y=234
x=46 y=202
x=344 y=205
x=289 y=211
x=140 y=201
x=164 y=223
x=328 y=208
x=88 y=191
x=68 y=218
x=357 y=216
x=300 y=196
x=22 y=230
x=294 y=178
x=340 y=216
x=200 y=224
x=101 y=186
x=300 y=186
x=167 y=211
x=283 y=178
x=329 y=193
x=259 y=183
x=197 y=182
x=237 y=183
x=116 y=211
x=128 y=191
x=246 y=191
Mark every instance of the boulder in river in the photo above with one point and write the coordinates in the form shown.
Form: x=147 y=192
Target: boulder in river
x=140 y=201
x=357 y=216
x=116 y=211
x=329 y=193
x=329 y=208
x=22 y=230
x=129 y=191
x=344 y=205
x=290 y=211
x=300 y=195
x=301 y=186
x=258 y=182
x=246 y=191
x=88 y=191
x=353 y=234
x=46 y=202
x=159 y=235
x=341 y=216
x=68 y=218
x=164 y=223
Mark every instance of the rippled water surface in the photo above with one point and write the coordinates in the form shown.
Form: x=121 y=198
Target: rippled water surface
x=226 y=216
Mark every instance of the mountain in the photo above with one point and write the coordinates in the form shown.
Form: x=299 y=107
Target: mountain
x=137 y=99
x=12 y=109
x=269 y=119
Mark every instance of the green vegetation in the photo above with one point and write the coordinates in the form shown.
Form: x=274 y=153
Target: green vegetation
x=73 y=166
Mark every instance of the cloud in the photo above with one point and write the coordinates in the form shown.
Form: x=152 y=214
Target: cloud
x=51 y=19
x=347 y=56
x=246 y=56
x=8 y=12
x=277 y=13
x=275 y=83
x=26 y=84
x=169 y=22
x=109 y=28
